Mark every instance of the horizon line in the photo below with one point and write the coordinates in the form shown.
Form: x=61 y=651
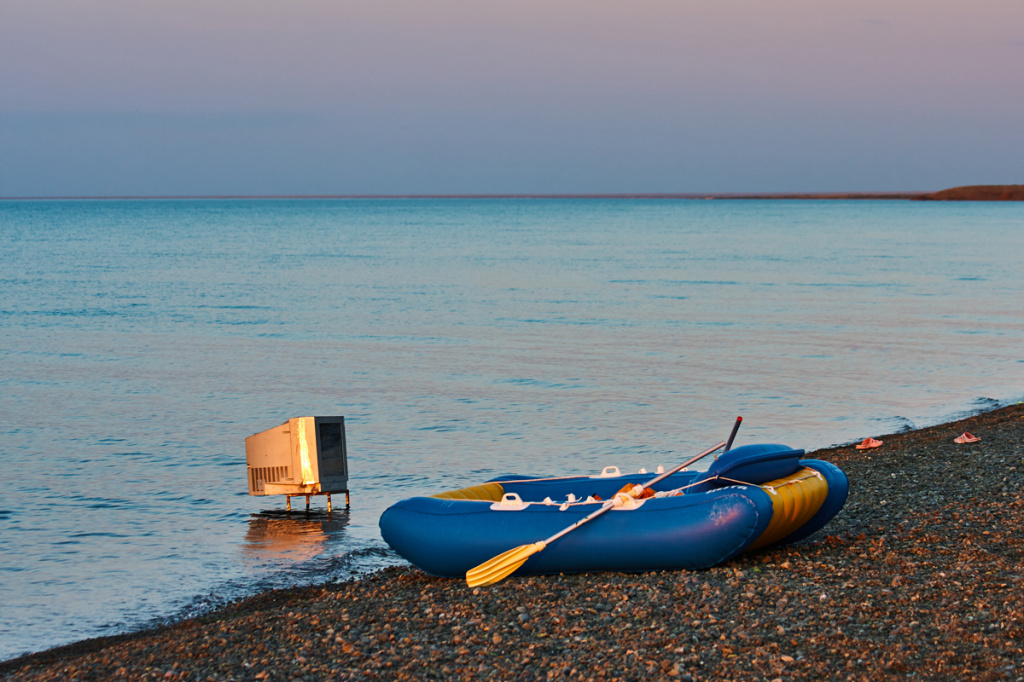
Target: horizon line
x=559 y=195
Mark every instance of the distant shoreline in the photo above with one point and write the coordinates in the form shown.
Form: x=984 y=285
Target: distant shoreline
x=963 y=193
x=858 y=195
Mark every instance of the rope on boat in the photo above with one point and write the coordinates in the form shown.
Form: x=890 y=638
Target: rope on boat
x=567 y=478
x=531 y=480
x=770 y=488
x=665 y=493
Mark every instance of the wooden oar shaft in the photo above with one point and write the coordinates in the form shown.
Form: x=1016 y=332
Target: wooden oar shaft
x=680 y=467
x=589 y=517
x=611 y=503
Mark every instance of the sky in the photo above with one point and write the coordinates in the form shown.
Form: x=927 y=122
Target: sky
x=226 y=97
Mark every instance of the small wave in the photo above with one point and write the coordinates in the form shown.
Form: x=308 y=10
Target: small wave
x=977 y=406
x=850 y=285
x=351 y=565
x=102 y=503
x=245 y=323
x=904 y=424
x=236 y=307
x=987 y=403
x=897 y=423
x=540 y=383
x=81 y=312
x=441 y=428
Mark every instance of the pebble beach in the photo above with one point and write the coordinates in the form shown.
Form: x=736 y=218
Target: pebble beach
x=920 y=576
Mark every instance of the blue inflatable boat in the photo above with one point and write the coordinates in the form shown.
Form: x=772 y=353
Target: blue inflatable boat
x=750 y=497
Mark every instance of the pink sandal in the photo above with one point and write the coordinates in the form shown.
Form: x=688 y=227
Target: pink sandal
x=966 y=438
x=868 y=443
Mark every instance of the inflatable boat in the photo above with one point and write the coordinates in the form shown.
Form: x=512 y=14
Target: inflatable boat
x=751 y=497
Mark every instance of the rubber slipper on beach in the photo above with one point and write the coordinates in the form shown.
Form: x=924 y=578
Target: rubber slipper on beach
x=966 y=438
x=868 y=443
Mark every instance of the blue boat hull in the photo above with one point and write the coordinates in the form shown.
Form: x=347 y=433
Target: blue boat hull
x=447 y=537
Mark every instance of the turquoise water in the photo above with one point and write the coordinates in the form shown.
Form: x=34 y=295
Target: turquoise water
x=142 y=341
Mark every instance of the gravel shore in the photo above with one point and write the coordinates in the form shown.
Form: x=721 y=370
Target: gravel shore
x=920 y=576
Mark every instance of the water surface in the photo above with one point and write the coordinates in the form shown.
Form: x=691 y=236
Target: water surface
x=461 y=339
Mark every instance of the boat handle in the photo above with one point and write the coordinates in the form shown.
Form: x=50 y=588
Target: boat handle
x=510 y=502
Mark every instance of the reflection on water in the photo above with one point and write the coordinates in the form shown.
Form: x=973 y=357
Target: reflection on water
x=292 y=537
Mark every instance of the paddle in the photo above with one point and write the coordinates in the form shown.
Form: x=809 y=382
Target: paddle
x=497 y=569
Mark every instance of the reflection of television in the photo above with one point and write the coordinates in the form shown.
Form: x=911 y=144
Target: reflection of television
x=303 y=456
x=285 y=537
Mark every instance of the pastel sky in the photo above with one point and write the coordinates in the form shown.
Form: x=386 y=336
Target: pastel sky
x=212 y=97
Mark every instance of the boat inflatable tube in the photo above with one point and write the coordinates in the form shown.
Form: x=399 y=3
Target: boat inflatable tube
x=751 y=497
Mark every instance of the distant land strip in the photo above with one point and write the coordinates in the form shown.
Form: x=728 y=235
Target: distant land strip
x=637 y=195
x=964 y=193
x=978 y=193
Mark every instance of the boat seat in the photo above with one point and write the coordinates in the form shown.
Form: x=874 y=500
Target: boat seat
x=750 y=464
x=488 y=492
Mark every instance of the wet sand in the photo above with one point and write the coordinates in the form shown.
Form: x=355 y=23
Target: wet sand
x=921 y=576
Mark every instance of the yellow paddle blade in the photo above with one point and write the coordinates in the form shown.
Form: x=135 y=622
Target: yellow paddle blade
x=500 y=567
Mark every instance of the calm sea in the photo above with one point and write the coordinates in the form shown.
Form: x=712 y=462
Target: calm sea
x=142 y=341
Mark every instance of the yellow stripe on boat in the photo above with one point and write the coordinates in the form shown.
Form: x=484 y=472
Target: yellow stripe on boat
x=795 y=499
x=488 y=492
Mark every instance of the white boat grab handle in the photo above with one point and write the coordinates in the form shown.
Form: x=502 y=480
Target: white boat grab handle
x=510 y=502
x=609 y=472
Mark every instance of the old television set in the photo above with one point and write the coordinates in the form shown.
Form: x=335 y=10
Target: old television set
x=303 y=456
